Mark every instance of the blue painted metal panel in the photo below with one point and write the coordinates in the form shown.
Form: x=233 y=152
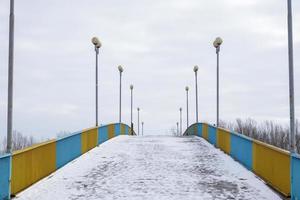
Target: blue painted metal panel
x=199 y=130
x=126 y=130
x=241 y=149
x=212 y=135
x=67 y=149
x=295 y=177
x=117 y=129
x=4 y=176
x=103 y=134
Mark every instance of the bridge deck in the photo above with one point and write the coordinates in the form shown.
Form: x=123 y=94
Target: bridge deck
x=151 y=167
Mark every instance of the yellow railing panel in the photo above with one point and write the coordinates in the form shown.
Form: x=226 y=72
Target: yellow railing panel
x=205 y=131
x=223 y=140
x=89 y=139
x=111 y=131
x=273 y=165
x=123 y=129
x=32 y=164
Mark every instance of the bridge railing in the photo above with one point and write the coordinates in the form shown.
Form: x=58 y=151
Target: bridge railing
x=30 y=165
x=275 y=166
x=4 y=175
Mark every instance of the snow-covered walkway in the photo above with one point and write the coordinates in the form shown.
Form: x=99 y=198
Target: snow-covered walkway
x=154 y=168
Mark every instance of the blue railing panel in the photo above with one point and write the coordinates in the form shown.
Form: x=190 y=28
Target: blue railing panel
x=68 y=149
x=295 y=176
x=241 y=149
x=102 y=134
x=4 y=176
x=199 y=127
x=212 y=135
x=117 y=129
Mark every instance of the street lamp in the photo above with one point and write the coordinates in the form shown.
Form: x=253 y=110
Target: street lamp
x=196 y=81
x=217 y=44
x=291 y=78
x=120 y=68
x=180 y=110
x=187 y=106
x=142 y=128
x=131 y=104
x=10 y=78
x=97 y=45
x=177 y=128
x=138 y=109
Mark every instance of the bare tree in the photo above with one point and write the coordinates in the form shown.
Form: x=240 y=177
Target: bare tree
x=173 y=131
x=62 y=134
x=19 y=141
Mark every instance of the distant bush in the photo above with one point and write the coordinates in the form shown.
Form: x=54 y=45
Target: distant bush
x=19 y=141
x=268 y=131
x=62 y=134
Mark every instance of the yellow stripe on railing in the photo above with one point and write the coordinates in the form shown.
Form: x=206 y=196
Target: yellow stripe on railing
x=89 y=139
x=111 y=131
x=123 y=129
x=223 y=140
x=273 y=165
x=32 y=164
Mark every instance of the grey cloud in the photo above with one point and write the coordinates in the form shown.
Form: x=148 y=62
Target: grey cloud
x=158 y=43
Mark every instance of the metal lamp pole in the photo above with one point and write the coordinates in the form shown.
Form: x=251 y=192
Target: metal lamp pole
x=217 y=44
x=120 y=68
x=177 y=128
x=291 y=77
x=10 y=86
x=138 y=109
x=10 y=78
x=196 y=81
x=97 y=45
x=131 y=105
x=187 y=106
x=180 y=110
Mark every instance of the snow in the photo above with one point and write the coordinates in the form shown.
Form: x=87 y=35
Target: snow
x=152 y=167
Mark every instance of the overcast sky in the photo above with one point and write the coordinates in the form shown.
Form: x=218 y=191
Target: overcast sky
x=157 y=43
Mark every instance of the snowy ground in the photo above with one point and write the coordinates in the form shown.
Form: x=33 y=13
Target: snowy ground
x=154 y=168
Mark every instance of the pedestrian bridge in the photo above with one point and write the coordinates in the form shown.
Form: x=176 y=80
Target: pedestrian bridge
x=206 y=163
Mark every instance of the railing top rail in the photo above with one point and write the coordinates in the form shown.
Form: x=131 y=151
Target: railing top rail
x=295 y=155
x=277 y=149
x=68 y=135
x=33 y=147
x=4 y=155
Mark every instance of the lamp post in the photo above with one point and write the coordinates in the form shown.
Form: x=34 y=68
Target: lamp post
x=291 y=77
x=97 y=45
x=120 y=68
x=10 y=87
x=180 y=110
x=142 y=128
x=217 y=44
x=177 y=124
x=187 y=106
x=196 y=81
x=10 y=78
x=131 y=105
x=138 y=109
